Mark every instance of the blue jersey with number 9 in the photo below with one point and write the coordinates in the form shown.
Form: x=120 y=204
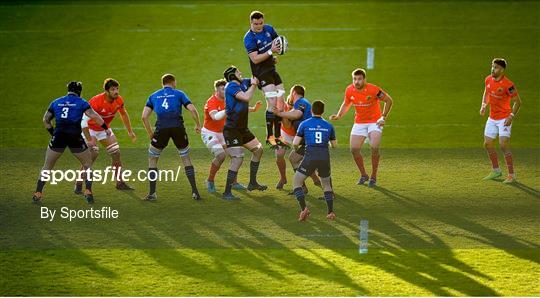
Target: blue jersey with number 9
x=316 y=132
x=167 y=104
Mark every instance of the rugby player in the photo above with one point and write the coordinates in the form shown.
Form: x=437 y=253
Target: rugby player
x=499 y=92
x=316 y=133
x=167 y=103
x=368 y=121
x=68 y=112
x=238 y=93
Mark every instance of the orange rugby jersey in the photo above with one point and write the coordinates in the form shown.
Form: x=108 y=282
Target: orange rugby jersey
x=107 y=110
x=214 y=104
x=288 y=129
x=366 y=102
x=498 y=95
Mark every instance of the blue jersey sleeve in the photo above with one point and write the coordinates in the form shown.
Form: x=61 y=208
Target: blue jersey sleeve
x=332 y=133
x=250 y=43
x=273 y=33
x=85 y=106
x=51 y=108
x=300 y=131
x=149 y=103
x=184 y=99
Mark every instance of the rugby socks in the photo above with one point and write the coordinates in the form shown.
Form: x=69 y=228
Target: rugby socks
x=117 y=166
x=270 y=119
x=88 y=181
x=282 y=167
x=253 y=169
x=329 y=198
x=300 y=197
x=40 y=185
x=231 y=177
x=359 y=163
x=494 y=159
x=374 y=165
x=213 y=171
x=152 y=178
x=509 y=163
x=190 y=173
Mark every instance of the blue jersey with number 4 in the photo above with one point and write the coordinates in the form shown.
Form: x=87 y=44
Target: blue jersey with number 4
x=316 y=132
x=167 y=104
x=68 y=112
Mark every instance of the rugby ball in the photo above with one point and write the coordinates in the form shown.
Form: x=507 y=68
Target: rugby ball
x=281 y=41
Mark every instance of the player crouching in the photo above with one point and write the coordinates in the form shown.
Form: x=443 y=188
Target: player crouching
x=316 y=133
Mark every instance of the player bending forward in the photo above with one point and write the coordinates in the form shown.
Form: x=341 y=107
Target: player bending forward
x=316 y=134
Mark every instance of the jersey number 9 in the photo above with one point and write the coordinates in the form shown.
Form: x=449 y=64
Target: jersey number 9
x=318 y=137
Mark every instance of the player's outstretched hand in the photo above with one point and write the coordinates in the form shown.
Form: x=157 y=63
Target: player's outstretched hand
x=108 y=132
x=133 y=136
x=275 y=110
x=508 y=121
x=333 y=117
x=91 y=143
x=198 y=129
x=254 y=81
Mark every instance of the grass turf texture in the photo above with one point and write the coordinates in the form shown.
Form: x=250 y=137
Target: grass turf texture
x=436 y=229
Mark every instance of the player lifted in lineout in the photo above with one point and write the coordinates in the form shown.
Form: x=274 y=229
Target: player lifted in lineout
x=167 y=103
x=261 y=42
x=68 y=112
x=498 y=94
x=368 y=121
x=106 y=104
x=212 y=132
x=316 y=133
x=238 y=93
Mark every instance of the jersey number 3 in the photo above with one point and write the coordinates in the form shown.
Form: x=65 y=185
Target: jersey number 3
x=65 y=112
x=318 y=137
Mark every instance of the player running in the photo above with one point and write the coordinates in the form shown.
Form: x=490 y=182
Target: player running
x=212 y=132
x=498 y=94
x=106 y=105
x=300 y=111
x=68 y=112
x=167 y=103
x=238 y=93
x=368 y=121
x=316 y=133
x=260 y=45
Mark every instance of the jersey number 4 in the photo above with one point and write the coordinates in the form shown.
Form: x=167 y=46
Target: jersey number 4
x=165 y=104
x=318 y=137
x=65 y=112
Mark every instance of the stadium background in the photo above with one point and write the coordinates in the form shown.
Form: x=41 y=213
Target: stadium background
x=436 y=228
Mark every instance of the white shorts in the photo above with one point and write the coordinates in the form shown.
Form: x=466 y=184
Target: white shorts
x=287 y=138
x=99 y=135
x=213 y=140
x=496 y=127
x=363 y=129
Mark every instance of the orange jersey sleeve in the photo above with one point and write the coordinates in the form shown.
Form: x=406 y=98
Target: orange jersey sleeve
x=213 y=104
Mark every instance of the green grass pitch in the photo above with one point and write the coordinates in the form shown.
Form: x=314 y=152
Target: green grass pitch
x=435 y=227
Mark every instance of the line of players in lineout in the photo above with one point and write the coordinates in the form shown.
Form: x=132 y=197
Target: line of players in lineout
x=225 y=131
